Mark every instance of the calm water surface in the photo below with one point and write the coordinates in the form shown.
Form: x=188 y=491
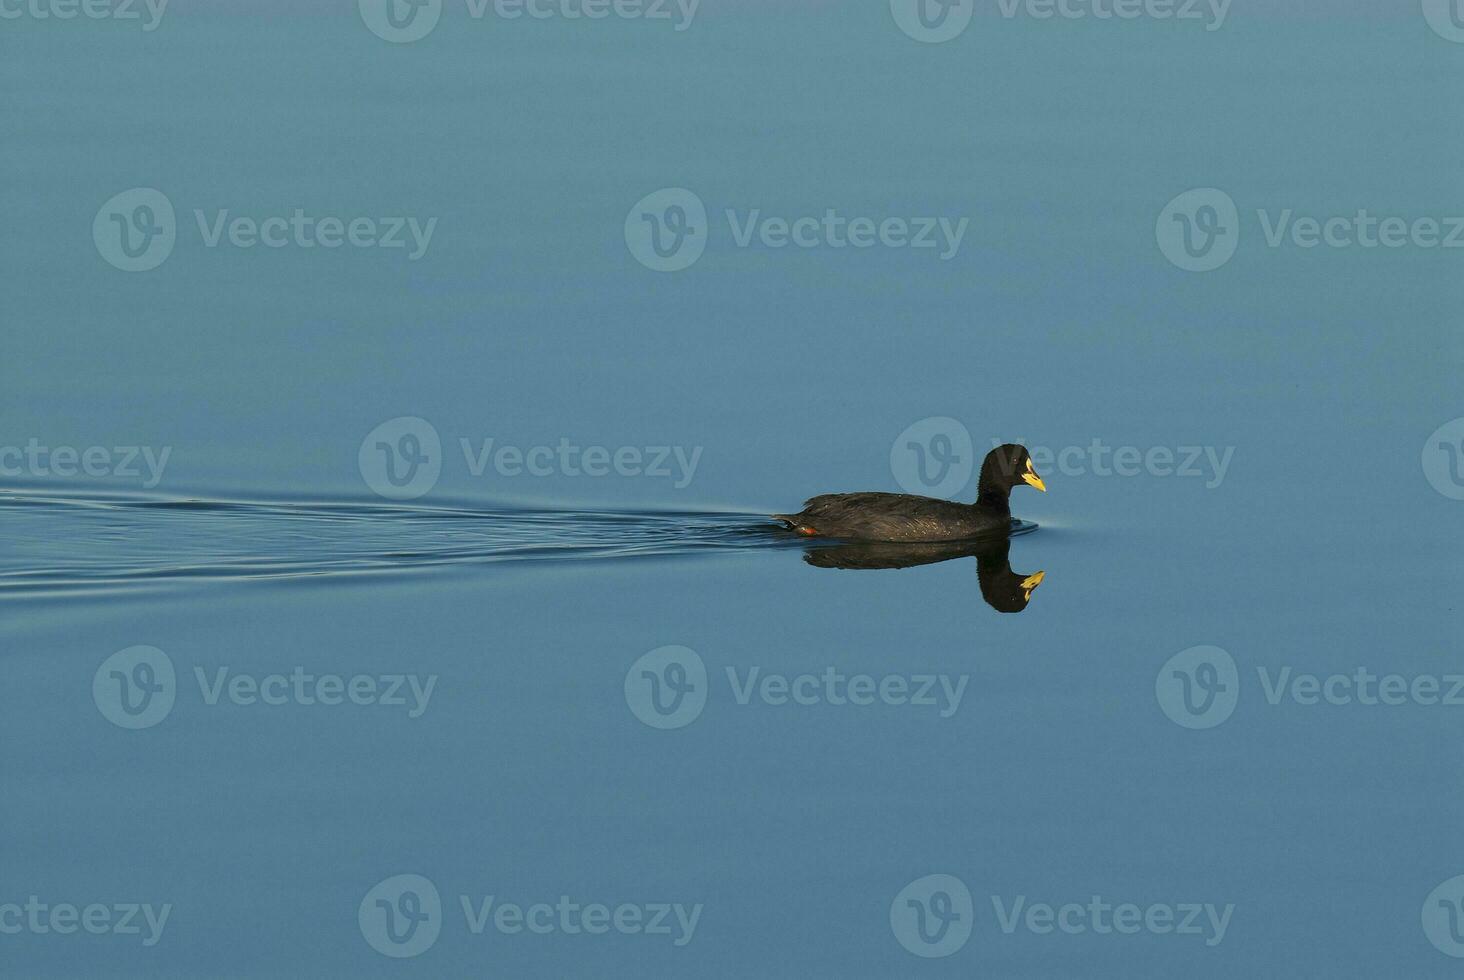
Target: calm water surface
x=563 y=692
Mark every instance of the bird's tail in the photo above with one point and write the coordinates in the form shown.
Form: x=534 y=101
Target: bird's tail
x=792 y=523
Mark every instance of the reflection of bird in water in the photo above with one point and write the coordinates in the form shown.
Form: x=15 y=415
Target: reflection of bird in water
x=1003 y=589
x=905 y=517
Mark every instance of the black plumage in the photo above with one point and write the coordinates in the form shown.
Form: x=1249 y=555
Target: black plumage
x=1003 y=589
x=906 y=517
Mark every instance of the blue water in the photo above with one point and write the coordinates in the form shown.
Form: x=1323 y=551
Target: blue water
x=120 y=544
x=563 y=677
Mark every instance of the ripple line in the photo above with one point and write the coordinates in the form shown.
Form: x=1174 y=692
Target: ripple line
x=58 y=543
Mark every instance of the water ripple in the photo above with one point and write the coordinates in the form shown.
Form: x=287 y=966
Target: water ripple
x=57 y=543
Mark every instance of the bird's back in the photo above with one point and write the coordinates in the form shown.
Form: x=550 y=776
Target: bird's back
x=892 y=517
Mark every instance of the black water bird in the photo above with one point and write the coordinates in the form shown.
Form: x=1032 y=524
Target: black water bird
x=906 y=517
x=1003 y=589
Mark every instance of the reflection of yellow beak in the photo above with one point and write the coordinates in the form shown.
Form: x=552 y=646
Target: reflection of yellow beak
x=1032 y=479
x=1030 y=583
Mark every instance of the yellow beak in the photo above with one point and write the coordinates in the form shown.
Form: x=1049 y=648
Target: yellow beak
x=1030 y=583
x=1032 y=479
